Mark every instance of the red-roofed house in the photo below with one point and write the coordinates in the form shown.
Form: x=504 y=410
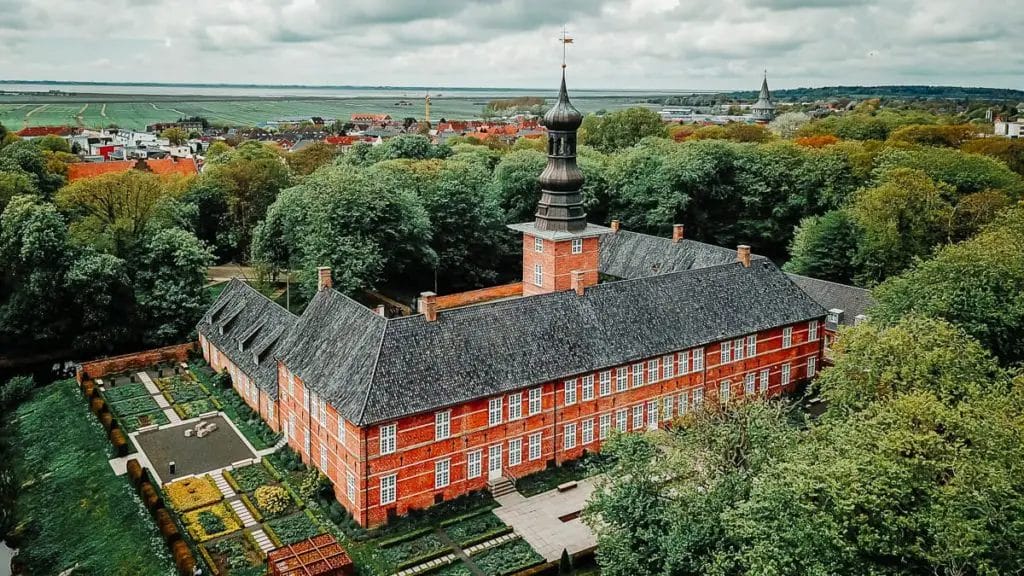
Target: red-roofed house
x=183 y=166
x=83 y=170
x=40 y=131
x=364 y=117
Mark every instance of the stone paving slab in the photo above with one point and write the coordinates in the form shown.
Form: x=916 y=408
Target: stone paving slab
x=536 y=519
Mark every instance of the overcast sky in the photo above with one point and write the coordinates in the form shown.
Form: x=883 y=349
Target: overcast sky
x=657 y=44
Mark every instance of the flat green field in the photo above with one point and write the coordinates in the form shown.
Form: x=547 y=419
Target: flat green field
x=50 y=111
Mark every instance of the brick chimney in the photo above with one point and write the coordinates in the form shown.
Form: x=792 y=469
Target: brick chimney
x=428 y=305
x=323 y=278
x=615 y=225
x=677 y=232
x=578 y=281
x=743 y=255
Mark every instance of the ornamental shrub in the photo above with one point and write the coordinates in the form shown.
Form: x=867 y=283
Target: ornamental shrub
x=98 y=405
x=211 y=523
x=272 y=500
x=222 y=379
x=107 y=420
x=150 y=498
x=183 y=559
x=135 y=472
x=119 y=441
x=168 y=529
x=311 y=483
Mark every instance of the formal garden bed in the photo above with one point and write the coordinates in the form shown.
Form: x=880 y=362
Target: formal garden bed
x=292 y=529
x=182 y=388
x=136 y=421
x=211 y=522
x=192 y=493
x=235 y=555
x=124 y=392
x=474 y=529
x=416 y=550
x=194 y=408
x=247 y=420
x=249 y=478
x=132 y=406
x=507 y=558
x=550 y=478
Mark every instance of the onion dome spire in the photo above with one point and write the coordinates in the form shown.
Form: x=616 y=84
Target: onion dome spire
x=561 y=205
x=563 y=115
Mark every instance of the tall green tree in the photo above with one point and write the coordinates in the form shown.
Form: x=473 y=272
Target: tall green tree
x=621 y=129
x=825 y=247
x=169 y=286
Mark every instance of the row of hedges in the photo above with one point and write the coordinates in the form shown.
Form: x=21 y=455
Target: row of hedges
x=99 y=407
x=184 y=561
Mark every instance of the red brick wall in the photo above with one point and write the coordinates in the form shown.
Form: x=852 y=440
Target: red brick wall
x=558 y=263
x=134 y=361
x=478 y=296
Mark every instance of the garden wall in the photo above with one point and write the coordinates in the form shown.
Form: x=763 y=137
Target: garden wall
x=135 y=361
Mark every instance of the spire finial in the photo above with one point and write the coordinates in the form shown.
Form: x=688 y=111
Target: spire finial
x=565 y=40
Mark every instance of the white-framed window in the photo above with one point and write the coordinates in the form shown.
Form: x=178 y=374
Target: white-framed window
x=726 y=348
x=764 y=382
x=534 y=441
x=515 y=406
x=621 y=379
x=698 y=359
x=652 y=370
x=442 y=473
x=638 y=374
x=570 y=392
x=515 y=451
x=833 y=316
x=270 y=411
x=494 y=412
x=785 y=374
x=749 y=384
x=305 y=400
x=323 y=459
x=698 y=397
x=388 y=489
x=291 y=426
x=684 y=362
x=652 y=413
x=588 y=387
x=737 y=349
x=291 y=386
x=388 y=434
x=812 y=331
x=538 y=274
x=684 y=402
x=723 y=391
x=668 y=366
x=569 y=436
x=538 y=244
x=350 y=486
x=442 y=425
x=605 y=383
x=473 y=464
x=341 y=429
x=638 y=416
x=577 y=245
x=667 y=402
x=535 y=403
x=620 y=419
x=588 y=431
x=812 y=366
x=787 y=336
x=751 y=345
x=323 y=413
x=604 y=426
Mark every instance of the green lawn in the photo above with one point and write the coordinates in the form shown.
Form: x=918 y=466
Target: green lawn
x=72 y=509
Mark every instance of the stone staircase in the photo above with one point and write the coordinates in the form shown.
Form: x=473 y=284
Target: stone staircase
x=281 y=443
x=243 y=513
x=500 y=487
x=262 y=540
x=222 y=484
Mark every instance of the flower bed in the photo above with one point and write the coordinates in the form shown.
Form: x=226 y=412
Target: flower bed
x=182 y=389
x=235 y=555
x=137 y=405
x=210 y=522
x=124 y=392
x=194 y=408
x=508 y=558
x=273 y=501
x=416 y=551
x=249 y=478
x=136 y=421
x=476 y=529
x=191 y=493
x=456 y=568
x=292 y=529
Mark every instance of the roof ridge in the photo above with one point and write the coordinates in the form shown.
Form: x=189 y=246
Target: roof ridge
x=267 y=298
x=373 y=373
x=827 y=281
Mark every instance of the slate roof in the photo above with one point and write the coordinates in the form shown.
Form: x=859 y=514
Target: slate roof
x=634 y=255
x=851 y=300
x=376 y=370
x=256 y=322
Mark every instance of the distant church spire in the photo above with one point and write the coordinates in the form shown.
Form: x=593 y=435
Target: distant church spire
x=764 y=110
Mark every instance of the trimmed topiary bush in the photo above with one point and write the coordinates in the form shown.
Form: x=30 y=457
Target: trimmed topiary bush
x=98 y=405
x=136 y=473
x=150 y=498
x=183 y=559
x=107 y=420
x=119 y=441
x=168 y=529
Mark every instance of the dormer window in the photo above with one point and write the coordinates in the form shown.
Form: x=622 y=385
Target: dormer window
x=835 y=315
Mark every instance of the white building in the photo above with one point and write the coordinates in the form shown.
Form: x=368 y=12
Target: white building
x=1008 y=129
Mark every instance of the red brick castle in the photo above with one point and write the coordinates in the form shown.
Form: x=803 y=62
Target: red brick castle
x=612 y=330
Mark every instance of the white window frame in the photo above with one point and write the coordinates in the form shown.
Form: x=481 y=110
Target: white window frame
x=474 y=463
x=538 y=274
x=569 y=393
x=724 y=390
x=812 y=331
x=442 y=425
x=684 y=402
x=587 y=429
x=604 y=425
x=751 y=345
x=737 y=349
x=812 y=366
x=314 y=407
x=534 y=445
x=652 y=413
x=577 y=246
x=569 y=436
x=270 y=411
x=749 y=384
x=622 y=378
x=605 y=383
x=765 y=380
x=638 y=374
x=442 y=473
x=536 y=398
x=668 y=366
x=787 y=337
x=323 y=460
x=684 y=362
x=538 y=244
x=833 y=316
x=621 y=419
x=587 y=388
x=638 y=416
x=725 y=351
x=667 y=408
x=494 y=411
x=515 y=451
x=698 y=359
x=388 y=438
x=341 y=429
x=653 y=370
x=698 y=397
x=388 y=489
x=350 y=486
x=323 y=413
x=515 y=406
x=786 y=371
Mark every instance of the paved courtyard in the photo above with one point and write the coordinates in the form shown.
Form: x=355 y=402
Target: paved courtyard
x=193 y=455
x=537 y=519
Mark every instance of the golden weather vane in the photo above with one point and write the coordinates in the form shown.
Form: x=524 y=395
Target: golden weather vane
x=565 y=40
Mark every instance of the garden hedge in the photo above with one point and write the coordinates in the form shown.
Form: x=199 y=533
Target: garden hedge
x=107 y=420
x=183 y=559
x=168 y=529
x=136 y=473
x=98 y=405
x=119 y=441
x=150 y=497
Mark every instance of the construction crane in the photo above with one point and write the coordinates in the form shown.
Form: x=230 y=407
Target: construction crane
x=426 y=112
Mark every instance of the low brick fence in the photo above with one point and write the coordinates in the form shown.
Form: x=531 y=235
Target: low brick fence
x=478 y=296
x=134 y=361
